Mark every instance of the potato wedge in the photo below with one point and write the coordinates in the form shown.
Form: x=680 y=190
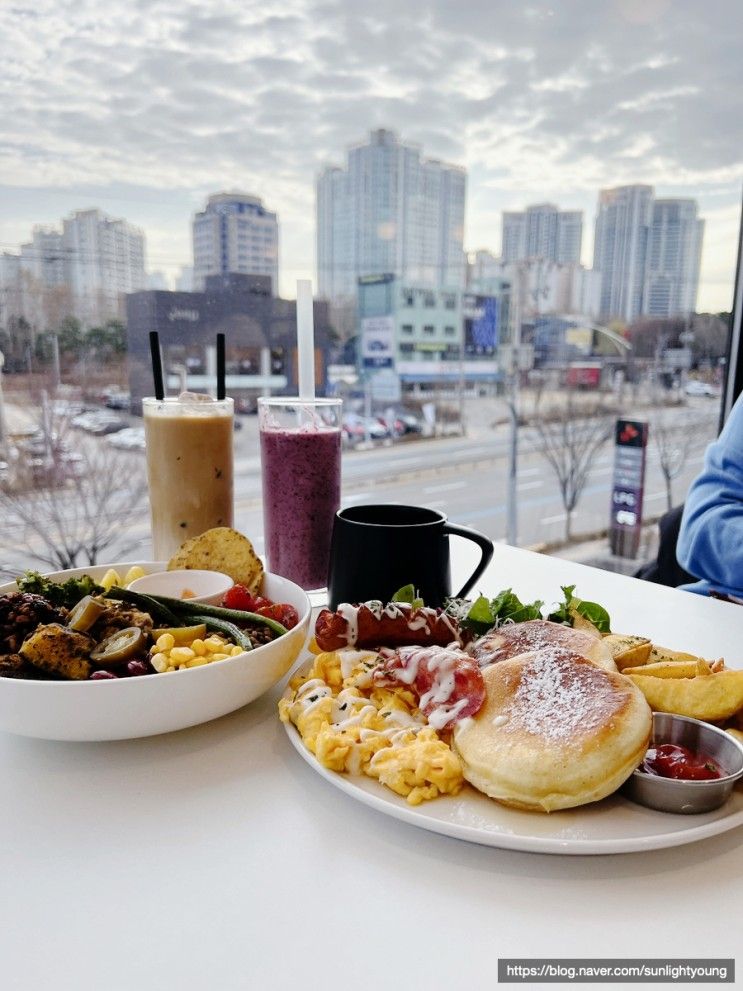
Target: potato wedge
x=708 y=697
x=581 y=623
x=672 y=669
x=659 y=653
x=628 y=651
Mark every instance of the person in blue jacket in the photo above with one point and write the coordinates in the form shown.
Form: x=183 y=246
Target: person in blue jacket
x=710 y=544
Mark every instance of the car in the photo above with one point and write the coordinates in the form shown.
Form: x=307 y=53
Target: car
x=129 y=439
x=696 y=388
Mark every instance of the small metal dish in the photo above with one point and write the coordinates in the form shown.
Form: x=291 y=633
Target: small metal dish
x=688 y=797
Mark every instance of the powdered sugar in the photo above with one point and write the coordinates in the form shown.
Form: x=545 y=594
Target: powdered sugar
x=560 y=696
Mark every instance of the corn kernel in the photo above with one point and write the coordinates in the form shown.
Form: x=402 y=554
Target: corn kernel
x=236 y=650
x=220 y=657
x=198 y=647
x=214 y=646
x=165 y=642
x=197 y=662
x=159 y=662
x=179 y=654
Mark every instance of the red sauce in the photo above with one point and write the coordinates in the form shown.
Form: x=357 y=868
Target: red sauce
x=669 y=760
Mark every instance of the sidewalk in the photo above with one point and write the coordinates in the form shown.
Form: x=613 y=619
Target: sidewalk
x=595 y=552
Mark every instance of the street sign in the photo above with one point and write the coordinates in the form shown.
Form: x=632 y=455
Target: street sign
x=625 y=526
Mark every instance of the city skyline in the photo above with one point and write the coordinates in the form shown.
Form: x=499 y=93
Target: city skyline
x=144 y=116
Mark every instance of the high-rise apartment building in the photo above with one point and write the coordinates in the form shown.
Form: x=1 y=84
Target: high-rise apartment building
x=82 y=271
x=542 y=231
x=104 y=259
x=620 y=246
x=235 y=233
x=513 y=239
x=673 y=257
x=648 y=252
x=389 y=211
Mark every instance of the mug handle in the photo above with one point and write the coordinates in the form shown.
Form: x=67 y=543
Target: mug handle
x=486 y=548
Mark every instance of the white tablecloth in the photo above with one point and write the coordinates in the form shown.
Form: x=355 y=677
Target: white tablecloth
x=216 y=858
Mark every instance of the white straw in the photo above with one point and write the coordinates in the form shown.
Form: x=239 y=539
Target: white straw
x=305 y=340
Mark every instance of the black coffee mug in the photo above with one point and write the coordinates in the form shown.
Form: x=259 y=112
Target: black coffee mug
x=376 y=550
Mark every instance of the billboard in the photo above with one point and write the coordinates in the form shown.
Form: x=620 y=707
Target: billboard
x=378 y=342
x=481 y=319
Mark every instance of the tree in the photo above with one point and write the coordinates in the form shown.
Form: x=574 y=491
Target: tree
x=673 y=444
x=66 y=508
x=569 y=437
x=71 y=337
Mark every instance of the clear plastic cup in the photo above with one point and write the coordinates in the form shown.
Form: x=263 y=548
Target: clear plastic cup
x=301 y=466
x=189 y=467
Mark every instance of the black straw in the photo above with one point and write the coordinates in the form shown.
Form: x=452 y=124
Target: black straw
x=221 y=386
x=157 y=365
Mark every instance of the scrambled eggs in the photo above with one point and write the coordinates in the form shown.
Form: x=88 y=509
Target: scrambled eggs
x=352 y=726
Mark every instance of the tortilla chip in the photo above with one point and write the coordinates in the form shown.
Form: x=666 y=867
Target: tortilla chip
x=708 y=697
x=222 y=549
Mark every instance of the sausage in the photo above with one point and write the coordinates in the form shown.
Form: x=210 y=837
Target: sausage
x=373 y=624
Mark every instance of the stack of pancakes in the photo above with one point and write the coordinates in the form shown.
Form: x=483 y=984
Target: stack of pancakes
x=560 y=726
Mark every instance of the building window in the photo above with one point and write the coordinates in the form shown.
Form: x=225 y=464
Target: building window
x=428 y=329
x=408 y=297
x=407 y=347
x=407 y=328
x=450 y=331
x=450 y=302
x=429 y=300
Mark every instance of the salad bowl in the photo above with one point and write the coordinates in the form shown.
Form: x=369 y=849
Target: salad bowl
x=126 y=708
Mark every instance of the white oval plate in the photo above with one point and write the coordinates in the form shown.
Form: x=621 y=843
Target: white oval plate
x=126 y=708
x=614 y=825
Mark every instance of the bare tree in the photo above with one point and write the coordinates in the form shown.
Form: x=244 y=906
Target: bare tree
x=673 y=443
x=66 y=509
x=569 y=438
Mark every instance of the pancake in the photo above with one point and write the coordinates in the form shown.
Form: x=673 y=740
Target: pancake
x=556 y=731
x=513 y=639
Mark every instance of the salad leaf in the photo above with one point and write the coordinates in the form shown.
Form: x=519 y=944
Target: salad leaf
x=566 y=611
x=596 y=614
x=408 y=594
x=483 y=614
x=67 y=593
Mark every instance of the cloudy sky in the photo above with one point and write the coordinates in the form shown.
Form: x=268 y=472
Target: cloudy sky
x=144 y=107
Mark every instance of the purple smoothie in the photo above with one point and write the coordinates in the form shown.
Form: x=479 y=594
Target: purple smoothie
x=301 y=495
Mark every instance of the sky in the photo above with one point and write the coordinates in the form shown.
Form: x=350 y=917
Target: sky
x=145 y=107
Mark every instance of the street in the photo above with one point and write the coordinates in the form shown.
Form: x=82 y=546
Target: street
x=463 y=477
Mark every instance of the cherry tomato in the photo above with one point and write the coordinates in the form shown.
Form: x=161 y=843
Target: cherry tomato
x=282 y=612
x=238 y=597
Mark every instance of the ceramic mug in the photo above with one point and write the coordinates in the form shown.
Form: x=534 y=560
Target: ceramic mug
x=375 y=550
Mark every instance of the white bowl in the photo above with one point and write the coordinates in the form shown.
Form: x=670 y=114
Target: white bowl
x=125 y=708
x=205 y=586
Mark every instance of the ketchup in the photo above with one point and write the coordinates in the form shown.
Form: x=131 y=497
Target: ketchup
x=670 y=760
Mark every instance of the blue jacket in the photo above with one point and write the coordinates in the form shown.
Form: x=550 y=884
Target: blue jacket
x=710 y=543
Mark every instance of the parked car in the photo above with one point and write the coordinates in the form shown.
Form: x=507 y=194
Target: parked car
x=128 y=439
x=696 y=388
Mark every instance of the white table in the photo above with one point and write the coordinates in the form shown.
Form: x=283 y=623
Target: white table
x=216 y=858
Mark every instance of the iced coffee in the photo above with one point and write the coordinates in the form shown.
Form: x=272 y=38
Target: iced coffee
x=189 y=468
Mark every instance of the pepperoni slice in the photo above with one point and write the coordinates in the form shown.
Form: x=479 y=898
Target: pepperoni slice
x=448 y=683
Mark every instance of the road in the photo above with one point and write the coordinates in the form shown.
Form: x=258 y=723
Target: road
x=465 y=478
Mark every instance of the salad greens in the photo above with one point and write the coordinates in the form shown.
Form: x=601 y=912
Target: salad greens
x=572 y=606
x=408 y=594
x=67 y=593
x=483 y=614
